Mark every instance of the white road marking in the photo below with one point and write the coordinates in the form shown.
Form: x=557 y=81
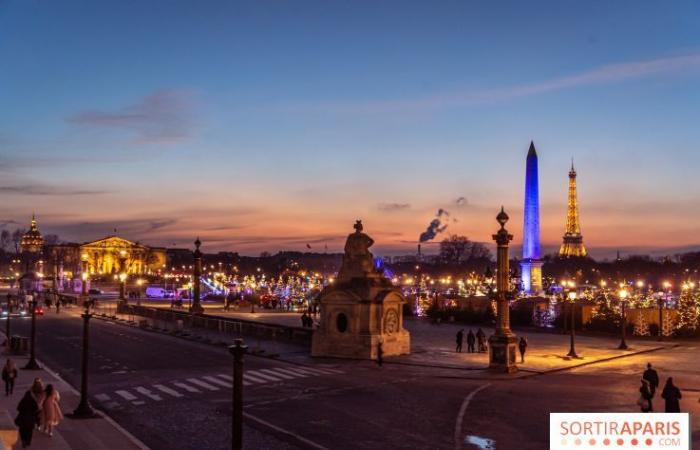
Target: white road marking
x=460 y=416
x=252 y=379
x=202 y=384
x=314 y=371
x=148 y=393
x=126 y=395
x=167 y=390
x=308 y=443
x=186 y=387
x=111 y=405
x=277 y=374
x=219 y=382
x=256 y=373
x=291 y=372
x=225 y=377
x=102 y=397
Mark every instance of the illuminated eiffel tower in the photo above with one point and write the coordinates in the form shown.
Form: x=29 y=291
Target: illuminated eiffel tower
x=573 y=241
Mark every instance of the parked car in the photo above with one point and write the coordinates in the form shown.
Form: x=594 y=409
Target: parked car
x=158 y=292
x=95 y=292
x=38 y=310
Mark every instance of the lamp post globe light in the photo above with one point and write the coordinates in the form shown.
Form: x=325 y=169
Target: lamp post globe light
x=571 y=295
x=622 y=294
x=32 y=364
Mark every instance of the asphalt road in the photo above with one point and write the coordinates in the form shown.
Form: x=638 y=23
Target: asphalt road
x=173 y=394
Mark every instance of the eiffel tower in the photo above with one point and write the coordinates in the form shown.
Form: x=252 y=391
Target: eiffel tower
x=573 y=241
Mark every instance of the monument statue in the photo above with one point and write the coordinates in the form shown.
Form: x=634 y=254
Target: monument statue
x=358 y=261
x=361 y=312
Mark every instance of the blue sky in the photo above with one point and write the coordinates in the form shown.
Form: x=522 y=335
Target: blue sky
x=270 y=125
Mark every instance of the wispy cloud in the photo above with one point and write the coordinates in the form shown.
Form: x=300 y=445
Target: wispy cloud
x=393 y=206
x=33 y=189
x=605 y=74
x=162 y=117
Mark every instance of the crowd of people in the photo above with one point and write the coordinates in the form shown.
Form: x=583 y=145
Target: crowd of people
x=39 y=408
x=649 y=384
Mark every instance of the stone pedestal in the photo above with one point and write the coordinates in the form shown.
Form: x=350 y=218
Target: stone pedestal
x=357 y=316
x=502 y=353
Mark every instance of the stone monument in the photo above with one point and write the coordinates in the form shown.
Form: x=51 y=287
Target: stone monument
x=502 y=344
x=361 y=310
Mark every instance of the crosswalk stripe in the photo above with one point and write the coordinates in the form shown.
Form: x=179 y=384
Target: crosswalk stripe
x=186 y=387
x=256 y=373
x=202 y=384
x=167 y=390
x=333 y=371
x=126 y=395
x=217 y=381
x=148 y=393
x=301 y=371
x=277 y=374
x=230 y=379
x=102 y=397
x=312 y=371
x=289 y=371
x=251 y=378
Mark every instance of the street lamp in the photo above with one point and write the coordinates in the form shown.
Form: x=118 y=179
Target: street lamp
x=32 y=364
x=122 y=288
x=623 y=300
x=237 y=350
x=572 y=335
x=84 y=409
x=660 y=302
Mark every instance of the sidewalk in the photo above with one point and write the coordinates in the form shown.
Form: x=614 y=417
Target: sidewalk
x=433 y=346
x=94 y=434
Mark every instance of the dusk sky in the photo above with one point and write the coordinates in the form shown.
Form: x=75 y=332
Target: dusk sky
x=276 y=124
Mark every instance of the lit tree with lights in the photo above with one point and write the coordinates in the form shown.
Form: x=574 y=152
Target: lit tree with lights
x=687 y=313
x=641 y=327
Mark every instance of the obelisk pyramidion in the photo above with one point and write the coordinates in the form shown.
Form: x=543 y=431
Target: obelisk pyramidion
x=531 y=265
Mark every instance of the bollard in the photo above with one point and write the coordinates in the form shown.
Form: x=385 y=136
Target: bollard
x=237 y=350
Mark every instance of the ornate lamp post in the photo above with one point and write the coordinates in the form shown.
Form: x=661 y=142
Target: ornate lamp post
x=32 y=364
x=84 y=409
x=7 y=324
x=623 y=301
x=84 y=275
x=572 y=334
x=122 y=277
x=502 y=344
x=196 y=307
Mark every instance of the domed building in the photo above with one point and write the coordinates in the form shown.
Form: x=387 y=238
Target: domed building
x=32 y=241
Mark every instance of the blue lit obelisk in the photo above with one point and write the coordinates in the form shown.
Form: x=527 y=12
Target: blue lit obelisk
x=531 y=265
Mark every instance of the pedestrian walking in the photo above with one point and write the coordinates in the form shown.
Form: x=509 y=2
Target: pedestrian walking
x=652 y=377
x=672 y=395
x=522 y=346
x=471 y=339
x=645 y=397
x=58 y=306
x=9 y=375
x=51 y=413
x=380 y=354
x=27 y=413
x=481 y=340
x=304 y=320
x=460 y=339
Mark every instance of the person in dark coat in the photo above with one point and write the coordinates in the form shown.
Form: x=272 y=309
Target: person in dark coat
x=304 y=320
x=9 y=375
x=380 y=354
x=471 y=339
x=481 y=338
x=672 y=395
x=460 y=339
x=522 y=346
x=28 y=411
x=645 y=397
x=652 y=377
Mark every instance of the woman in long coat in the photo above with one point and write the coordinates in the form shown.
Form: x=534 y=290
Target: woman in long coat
x=672 y=395
x=28 y=410
x=51 y=413
x=645 y=397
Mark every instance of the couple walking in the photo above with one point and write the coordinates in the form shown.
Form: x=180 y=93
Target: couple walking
x=650 y=382
x=39 y=408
